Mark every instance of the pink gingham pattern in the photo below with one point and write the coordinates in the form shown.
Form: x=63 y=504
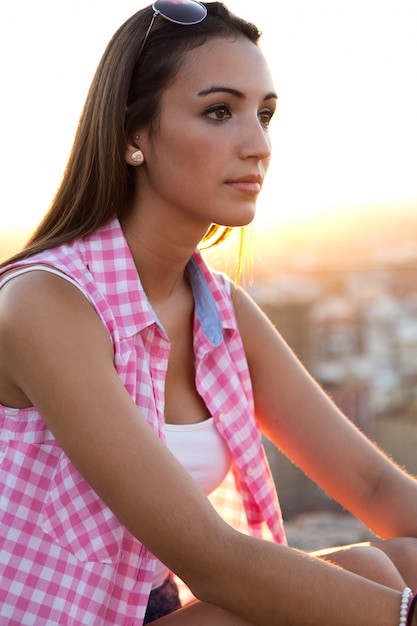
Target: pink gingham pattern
x=64 y=557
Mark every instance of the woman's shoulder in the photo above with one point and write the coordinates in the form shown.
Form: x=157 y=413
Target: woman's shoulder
x=42 y=316
x=24 y=291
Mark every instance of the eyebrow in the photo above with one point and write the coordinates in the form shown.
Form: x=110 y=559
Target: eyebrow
x=231 y=91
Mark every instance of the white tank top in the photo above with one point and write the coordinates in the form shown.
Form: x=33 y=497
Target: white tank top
x=201 y=450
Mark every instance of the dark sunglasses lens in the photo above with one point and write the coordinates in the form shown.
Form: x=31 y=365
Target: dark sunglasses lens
x=181 y=11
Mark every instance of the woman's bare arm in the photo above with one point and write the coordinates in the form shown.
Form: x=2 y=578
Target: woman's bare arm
x=300 y=418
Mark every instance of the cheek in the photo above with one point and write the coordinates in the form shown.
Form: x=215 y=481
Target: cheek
x=194 y=144
x=191 y=161
x=195 y=164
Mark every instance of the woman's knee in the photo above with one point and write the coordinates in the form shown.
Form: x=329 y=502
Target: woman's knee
x=368 y=561
x=402 y=551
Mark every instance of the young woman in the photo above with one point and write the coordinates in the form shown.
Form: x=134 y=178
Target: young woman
x=134 y=381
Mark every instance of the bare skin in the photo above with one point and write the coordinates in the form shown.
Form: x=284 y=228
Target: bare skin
x=239 y=580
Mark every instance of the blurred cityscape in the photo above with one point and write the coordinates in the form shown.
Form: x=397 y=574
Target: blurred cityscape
x=342 y=290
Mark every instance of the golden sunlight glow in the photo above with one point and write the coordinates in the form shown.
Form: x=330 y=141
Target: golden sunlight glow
x=345 y=131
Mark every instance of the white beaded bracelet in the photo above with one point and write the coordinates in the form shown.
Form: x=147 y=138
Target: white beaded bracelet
x=405 y=601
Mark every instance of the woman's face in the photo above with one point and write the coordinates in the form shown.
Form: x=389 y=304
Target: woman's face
x=207 y=160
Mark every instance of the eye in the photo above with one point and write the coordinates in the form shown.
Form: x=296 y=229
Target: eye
x=218 y=112
x=265 y=117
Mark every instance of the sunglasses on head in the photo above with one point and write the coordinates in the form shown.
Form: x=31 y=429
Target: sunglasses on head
x=185 y=12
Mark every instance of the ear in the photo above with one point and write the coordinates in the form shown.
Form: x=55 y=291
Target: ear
x=133 y=154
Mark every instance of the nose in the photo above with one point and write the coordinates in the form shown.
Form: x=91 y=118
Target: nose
x=256 y=142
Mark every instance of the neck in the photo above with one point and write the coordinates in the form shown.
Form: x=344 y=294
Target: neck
x=160 y=256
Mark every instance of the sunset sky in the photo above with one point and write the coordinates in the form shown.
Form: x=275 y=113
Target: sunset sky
x=345 y=132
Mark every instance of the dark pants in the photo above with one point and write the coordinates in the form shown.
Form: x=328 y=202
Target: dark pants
x=162 y=601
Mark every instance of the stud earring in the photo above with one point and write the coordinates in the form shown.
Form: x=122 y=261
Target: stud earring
x=137 y=157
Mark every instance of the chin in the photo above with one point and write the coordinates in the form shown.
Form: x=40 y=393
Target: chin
x=242 y=220
x=238 y=218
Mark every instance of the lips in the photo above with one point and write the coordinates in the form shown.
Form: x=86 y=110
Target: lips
x=247 y=184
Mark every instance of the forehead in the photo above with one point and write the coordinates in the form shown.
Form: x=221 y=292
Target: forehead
x=237 y=63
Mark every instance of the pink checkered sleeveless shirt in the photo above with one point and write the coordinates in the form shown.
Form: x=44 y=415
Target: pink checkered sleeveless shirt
x=64 y=557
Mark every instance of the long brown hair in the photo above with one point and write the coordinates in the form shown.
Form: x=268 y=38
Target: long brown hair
x=125 y=94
